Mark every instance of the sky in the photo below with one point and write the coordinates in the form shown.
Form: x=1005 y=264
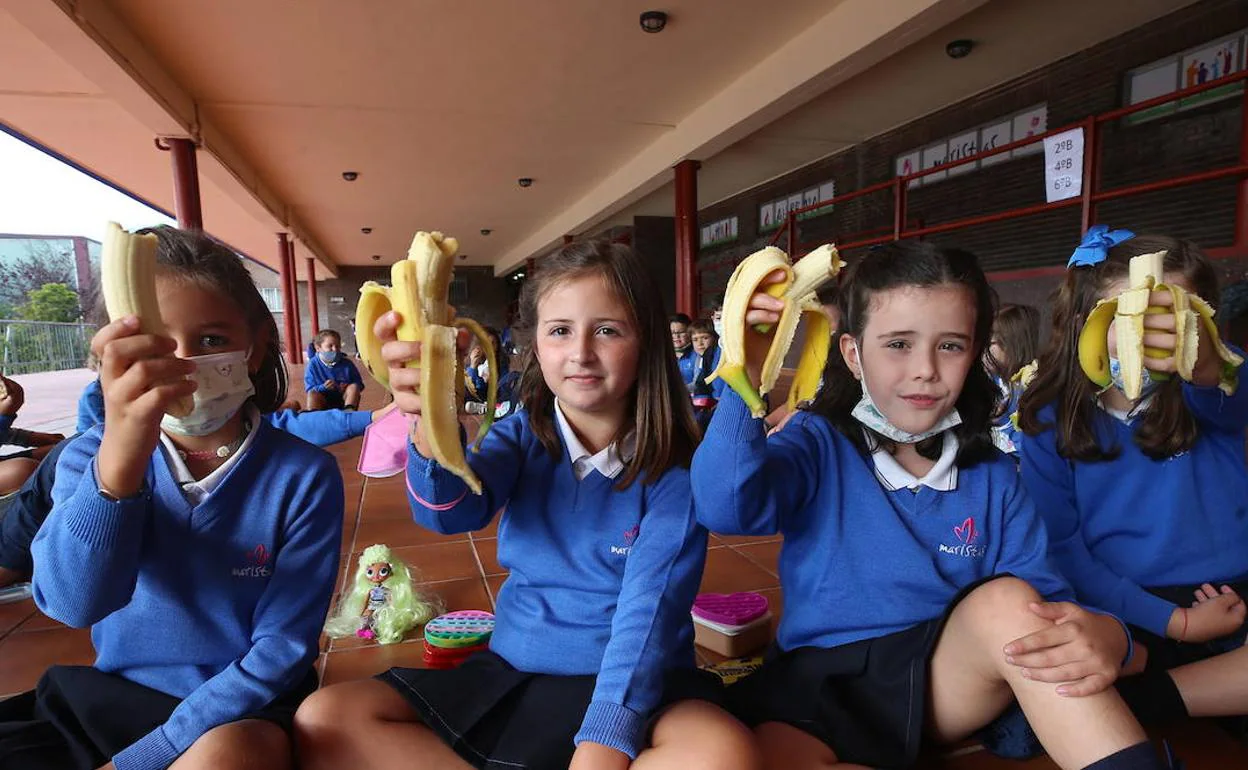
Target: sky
x=40 y=195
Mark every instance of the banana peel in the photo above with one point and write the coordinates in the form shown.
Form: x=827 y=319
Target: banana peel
x=128 y=282
x=797 y=290
x=419 y=293
x=1127 y=311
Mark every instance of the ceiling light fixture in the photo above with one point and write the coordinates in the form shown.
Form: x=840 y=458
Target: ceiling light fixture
x=524 y=181
x=653 y=21
x=366 y=230
x=350 y=176
x=486 y=231
x=959 y=49
x=376 y=257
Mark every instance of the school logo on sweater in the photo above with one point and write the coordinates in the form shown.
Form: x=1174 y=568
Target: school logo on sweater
x=255 y=563
x=629 y=536
x=966 y=535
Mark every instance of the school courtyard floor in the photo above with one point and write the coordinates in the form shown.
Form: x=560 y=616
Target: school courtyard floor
x=464 y=571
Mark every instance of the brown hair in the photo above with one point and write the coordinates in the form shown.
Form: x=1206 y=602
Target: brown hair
x=193 y=256
x=1167 y=427
x=325 y=334
x=1017 y=328
x=704 y=326
x=662 y=413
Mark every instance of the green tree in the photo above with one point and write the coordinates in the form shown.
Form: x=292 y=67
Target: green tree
x=51 y=302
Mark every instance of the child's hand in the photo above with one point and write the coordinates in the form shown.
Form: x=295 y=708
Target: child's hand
x=595 y=756
x=140 y=378
x=330 y=385
x=1082 y=651
x=1158 y=332
x=13 y=399
x=763 y=309
x=385 y=410
x=405 y=380
x=1216 y=613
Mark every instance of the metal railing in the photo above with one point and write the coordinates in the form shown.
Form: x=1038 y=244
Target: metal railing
x=27 y=347
x=1093 y=193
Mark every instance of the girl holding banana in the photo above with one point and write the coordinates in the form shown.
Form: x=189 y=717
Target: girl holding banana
x=591 y=663
x=198 y=542
x=1134 y=454
x=919 y=598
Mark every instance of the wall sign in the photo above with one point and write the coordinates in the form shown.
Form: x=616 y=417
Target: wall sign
x=1010 y=128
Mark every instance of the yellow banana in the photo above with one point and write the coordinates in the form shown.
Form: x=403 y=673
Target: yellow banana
x=798 y=292
x=128 y=281
x=814 y=355
x=418 y=292
x=1146 y=274
x=374 y=302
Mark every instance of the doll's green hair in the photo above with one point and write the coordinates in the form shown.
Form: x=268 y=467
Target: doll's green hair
x=406 y=609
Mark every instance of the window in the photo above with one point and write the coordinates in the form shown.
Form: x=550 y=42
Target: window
x=272 y=298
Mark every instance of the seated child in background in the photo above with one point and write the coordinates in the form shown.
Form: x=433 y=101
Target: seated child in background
x=331 y=380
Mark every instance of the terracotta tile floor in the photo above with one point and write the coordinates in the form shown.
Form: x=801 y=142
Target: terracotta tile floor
x=463 y=571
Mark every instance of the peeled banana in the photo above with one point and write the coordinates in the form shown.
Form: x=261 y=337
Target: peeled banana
x=418 y=292
x=128 y=279
x=800 y=303
x=1126 y=312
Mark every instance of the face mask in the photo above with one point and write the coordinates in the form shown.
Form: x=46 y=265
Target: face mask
x=867 y=413
x=719 y=327
x=1148 y=384
x=224 y=385
x=330 y=356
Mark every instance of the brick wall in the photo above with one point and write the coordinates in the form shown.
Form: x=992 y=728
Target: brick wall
x=1089 y=82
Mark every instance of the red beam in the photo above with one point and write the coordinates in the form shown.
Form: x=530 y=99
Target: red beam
x=1091 y=166
x=288 y=298
x=686 y=236
x=313 y=311
x=186 y=184
x=990 y=218
x=294 y=299
x=1166 y=184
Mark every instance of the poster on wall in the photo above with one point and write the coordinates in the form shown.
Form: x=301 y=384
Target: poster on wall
x=1063 y=165
x=933 y=157
x=1145 y=84
x=767 y=216
x=1210 y=63
x=908 y=164
x=1030 y=123
x=963 y=146
x=992 y=137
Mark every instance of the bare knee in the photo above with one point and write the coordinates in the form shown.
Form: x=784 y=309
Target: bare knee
x=695 y=734
x=14 y=472
x=316 y=401
x=249 y=744
x=1004 y=602
x=337 y=709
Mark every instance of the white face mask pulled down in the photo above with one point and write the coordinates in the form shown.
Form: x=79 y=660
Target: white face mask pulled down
x=224 y=386
x=867 y=413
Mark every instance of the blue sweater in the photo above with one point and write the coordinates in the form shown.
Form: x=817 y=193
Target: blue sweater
x=1121 y=525
x=322 y=428
x=343 y=372
x=688 y=363
x=860 y=561
x=601 y=581
x=6 y=425
x=221 y=604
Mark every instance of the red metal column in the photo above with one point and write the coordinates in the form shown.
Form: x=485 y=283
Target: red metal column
x=186 y=184
x=312 y=307
x=288 y=297
x=899 y=208
x=1091 y=164
x=686 y=236
x=294 y=299
x=1241 y=202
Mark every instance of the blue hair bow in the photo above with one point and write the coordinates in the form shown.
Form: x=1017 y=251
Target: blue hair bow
x=1097 y=242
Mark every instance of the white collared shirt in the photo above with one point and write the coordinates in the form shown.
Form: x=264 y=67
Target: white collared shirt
x=609 y=462
x=943 y=476
x=197 y=490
